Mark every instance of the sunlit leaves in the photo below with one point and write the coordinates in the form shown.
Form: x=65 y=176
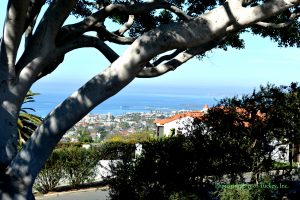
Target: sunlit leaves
x=27 y=122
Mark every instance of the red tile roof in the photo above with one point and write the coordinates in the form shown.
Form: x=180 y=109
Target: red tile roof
x=199 y=114
x=193 y=114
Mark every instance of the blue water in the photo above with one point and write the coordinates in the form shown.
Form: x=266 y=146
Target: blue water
x=139 y=99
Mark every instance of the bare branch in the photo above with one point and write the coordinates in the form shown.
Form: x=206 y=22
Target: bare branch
x=291 y=20
x=167 y=57
x=34 y=9
x=51 y=66
x=182 y=15
x=274 y=25
x=181 y=58
x=126 y=26
x=28 y=32
x=104 y=34
x=89 y=41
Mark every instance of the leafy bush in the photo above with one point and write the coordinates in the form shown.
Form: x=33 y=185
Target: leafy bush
x=283 y=165
x=116 y=150
x=51 y=173
x=80 y=164
x=132 y=138
x=165 y=170
x=74 y=164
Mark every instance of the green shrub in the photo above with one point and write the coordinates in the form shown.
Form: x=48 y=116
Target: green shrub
x=165 y=170
x=283 y=165
x=77 y=165
x=51 y=173
x=80 y=165
x=235 y=194
x=116 y=150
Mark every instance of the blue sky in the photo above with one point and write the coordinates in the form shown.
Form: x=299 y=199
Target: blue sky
x=259 y=63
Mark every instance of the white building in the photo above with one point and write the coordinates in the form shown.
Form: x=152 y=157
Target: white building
x=178 y=124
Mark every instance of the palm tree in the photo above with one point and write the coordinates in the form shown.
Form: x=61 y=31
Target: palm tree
x=27 y=122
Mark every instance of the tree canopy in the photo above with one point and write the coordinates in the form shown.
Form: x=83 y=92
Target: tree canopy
x=255 y=130
x=152 y=29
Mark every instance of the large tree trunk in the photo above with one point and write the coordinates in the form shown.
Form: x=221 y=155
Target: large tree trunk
x=11 y=186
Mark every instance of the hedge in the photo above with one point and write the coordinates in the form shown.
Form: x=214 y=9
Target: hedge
x=75 y=165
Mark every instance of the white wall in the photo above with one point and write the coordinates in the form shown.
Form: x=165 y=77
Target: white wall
x=182 y=126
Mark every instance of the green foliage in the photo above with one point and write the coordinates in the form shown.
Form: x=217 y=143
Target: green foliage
x=103 y=133
x=131 y=138
x=114 y=150
x=283 y=165
x=80 y=164
x=235 y=193
x=52 y=172
x=74 y=164
x=166 y=170
x=264 y=190
x=27 y=122
x=84 y=136
x=285 y=37
x=251 y=124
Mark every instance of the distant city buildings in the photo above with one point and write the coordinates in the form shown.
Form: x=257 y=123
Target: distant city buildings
x=98 y=125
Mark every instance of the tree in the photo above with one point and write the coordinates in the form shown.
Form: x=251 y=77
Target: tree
x=247 y=131
x=85 y=136
x=188 y=28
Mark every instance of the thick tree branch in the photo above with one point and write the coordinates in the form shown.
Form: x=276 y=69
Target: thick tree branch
x=9 y=44
x=53 y=19
x=89 y=41
x=80 y=42
x=12 y=34
x=43 y=43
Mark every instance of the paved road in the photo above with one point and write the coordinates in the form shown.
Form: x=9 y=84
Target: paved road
x=89 y=194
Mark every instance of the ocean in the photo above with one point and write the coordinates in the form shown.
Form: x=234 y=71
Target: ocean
x=139 y=99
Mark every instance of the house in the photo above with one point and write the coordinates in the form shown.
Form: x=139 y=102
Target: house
x=180 y=123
